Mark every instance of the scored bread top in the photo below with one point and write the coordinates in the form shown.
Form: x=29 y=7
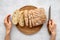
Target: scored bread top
x=30 y=18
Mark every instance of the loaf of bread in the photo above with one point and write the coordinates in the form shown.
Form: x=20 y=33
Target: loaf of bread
x=30 y=18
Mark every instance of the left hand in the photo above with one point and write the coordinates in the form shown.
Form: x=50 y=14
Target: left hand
x=7 y=22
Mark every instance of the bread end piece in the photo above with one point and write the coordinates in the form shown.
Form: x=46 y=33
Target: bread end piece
x=15 y=17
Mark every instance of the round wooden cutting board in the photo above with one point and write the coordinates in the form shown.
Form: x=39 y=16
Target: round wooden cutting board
x=27 y=30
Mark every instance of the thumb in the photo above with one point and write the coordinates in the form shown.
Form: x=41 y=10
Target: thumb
x=9 y=19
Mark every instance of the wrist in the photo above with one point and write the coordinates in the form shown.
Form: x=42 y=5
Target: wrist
x=53 y=34
x=7 y=31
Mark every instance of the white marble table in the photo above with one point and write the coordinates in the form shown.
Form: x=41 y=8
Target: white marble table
x=9 y=6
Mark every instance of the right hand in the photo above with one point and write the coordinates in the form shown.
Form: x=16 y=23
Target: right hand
x=52 y=27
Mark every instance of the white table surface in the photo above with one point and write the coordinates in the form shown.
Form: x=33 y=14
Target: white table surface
x=9 y=6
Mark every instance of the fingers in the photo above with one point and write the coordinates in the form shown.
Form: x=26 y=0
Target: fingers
x=52 y=22
x=6 y=19
x=9 y=21
x=52 y=25
x=49 y=22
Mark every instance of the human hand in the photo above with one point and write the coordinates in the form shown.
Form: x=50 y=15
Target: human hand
x=7 y=22
x=51 y=27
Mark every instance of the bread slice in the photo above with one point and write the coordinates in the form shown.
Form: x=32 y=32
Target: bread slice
x=30 y=19
x=15 y=17
x=26 y=17
x=21 y=18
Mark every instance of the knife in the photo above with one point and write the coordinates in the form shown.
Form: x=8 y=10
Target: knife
x=49 y=18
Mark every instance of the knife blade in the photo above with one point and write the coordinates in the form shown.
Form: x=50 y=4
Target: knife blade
x=49 y=15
